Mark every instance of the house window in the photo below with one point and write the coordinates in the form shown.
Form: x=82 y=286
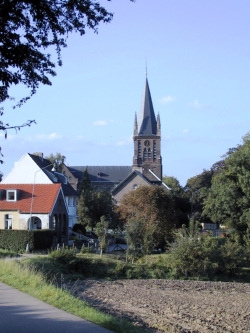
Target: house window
x=74 y=202
x=70 y=202
x=11 y=195
x=54 y=223
x=8 y=221
x=135 y=186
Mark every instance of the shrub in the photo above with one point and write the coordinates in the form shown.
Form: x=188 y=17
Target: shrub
x=86 y=249
x=80 y=228
x=17 y=240
x=64 y=256
x=194 y=255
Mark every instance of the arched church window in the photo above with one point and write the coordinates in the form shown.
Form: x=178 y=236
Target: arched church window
x=139 y=148
x=154 y=149
x=144 y=154
x=149 y=153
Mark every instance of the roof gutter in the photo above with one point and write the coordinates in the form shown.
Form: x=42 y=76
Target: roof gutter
x=159 y=180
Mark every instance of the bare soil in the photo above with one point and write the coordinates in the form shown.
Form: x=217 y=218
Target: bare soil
x=170 y=305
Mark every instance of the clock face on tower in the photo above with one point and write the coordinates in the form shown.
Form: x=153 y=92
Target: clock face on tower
x=146 y=143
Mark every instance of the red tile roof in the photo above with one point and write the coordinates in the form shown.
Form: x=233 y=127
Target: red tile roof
x=44 y=197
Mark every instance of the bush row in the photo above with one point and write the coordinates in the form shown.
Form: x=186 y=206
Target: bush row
x=104 y=267
x=17 y=240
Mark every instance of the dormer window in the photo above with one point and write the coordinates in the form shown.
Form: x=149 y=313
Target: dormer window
x=11 y=195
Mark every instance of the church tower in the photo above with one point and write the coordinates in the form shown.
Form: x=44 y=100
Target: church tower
x=147 y=140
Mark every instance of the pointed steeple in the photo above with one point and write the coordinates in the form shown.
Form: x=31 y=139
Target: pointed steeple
x=135 y=126
x=147 y=123
x=158 y=125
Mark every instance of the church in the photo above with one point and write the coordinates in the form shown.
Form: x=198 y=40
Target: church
x=147 y=161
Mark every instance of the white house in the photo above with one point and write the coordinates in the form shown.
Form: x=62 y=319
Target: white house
x=34 y=207
x=34 y=169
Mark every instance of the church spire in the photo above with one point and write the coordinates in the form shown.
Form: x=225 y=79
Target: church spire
x=158 y=125
x=135 y=126
x=147 y=141
x=147 y=123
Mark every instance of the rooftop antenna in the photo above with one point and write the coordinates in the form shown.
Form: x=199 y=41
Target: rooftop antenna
x=146 y=69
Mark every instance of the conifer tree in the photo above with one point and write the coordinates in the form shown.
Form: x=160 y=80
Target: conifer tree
x=85 y=185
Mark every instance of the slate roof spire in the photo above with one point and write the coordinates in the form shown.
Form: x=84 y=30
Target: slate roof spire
x=147 y=122
x=158 y=124
x=135 y=125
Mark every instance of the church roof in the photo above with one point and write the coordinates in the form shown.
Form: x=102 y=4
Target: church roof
x=113 y=174
x=147 y=123
x=133 y=173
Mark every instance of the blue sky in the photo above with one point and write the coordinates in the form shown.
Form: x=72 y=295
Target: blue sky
x=197 y=56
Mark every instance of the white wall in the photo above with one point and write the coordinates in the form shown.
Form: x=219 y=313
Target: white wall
x=72 y=211
x=43 y=217
x=25 y=172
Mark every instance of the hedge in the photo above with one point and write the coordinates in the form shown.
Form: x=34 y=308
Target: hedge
x=17 y=240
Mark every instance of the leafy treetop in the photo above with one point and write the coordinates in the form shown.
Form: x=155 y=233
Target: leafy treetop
x=227 y=201
x=29 y=28
x=58 y=161
x=154 y=206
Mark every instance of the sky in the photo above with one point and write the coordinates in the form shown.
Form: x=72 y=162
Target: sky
x=197 y=55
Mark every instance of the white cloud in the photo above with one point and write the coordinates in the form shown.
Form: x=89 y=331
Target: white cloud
x=100 y=123
x=167 y=99
x=186 y=130
x=52 y=136
x=196 y=104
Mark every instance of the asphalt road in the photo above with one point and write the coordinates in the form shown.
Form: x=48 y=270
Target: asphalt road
x=22 y=313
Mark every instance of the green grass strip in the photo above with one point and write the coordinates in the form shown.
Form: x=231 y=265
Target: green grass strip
x=33 y=283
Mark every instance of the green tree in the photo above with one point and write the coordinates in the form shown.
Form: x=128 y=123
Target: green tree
x=227 y=201
x=57 y=160
x=28 y=31
x=85 y=185
x=93 y=205
x=139 y=237
x=174 y=184
x=101 y=231
x=196 y=190
x=181 y=202
x=154 y=206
